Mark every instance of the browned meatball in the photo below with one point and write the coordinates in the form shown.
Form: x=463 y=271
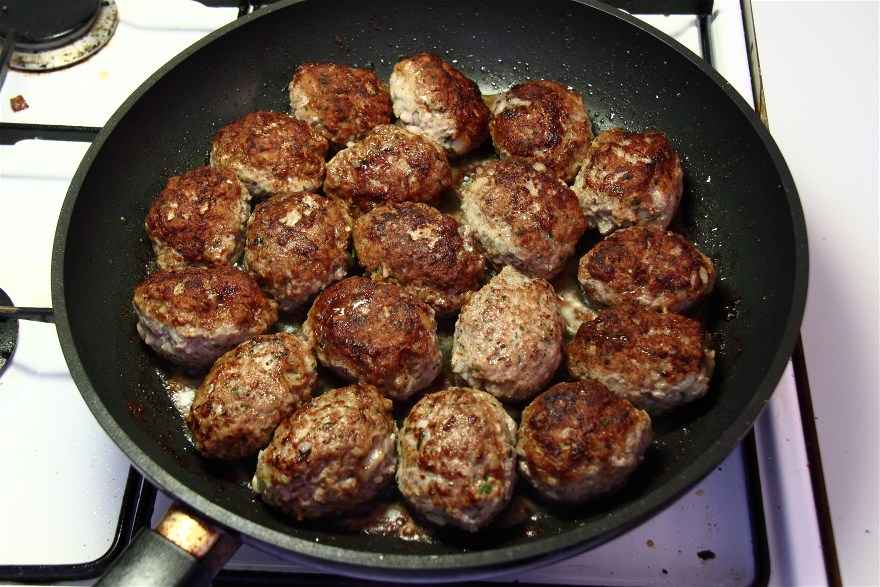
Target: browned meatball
x=390 y=165
x=648 y=266
x=629 y=178
x=192 y=316
x=578 y=441
x=335 y=454
x=247 y=393
x=198 y=219
x=432 y=98
x=343 y=102
x=542 y=123
x=656 y=361
x=522 y=217
x=297 y=244
x=271 y=153
x=421 y=249
x=375 y=333
x=457 y=460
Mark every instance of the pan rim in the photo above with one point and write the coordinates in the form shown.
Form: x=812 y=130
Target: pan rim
x=451 y=566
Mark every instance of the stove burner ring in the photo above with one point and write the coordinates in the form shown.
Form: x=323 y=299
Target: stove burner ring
x=8 y=334
x=72 y=48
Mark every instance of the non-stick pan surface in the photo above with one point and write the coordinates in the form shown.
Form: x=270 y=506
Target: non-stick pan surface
x=740 y=207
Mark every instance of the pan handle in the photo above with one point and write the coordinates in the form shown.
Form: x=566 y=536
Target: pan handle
x=183 y=549
x=35 y=314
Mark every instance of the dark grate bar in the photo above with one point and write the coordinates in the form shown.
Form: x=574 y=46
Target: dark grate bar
x=11 y=132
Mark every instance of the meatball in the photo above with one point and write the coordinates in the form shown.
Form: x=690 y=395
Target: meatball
x=271 y=152
x=331 y=456
x=656 y=361
x=432 y=98
x=508 y=337
x=341 y=101
x=390 y=165
x=542 y=123
x=247 y=393
x=457 y=459
x=297 y=244
x=198 y=219
x=522 y=217
x=421 y=249
x=578 y=441
x=647 y=266
x=375 y=333
x=192 y=316
x=629 y=178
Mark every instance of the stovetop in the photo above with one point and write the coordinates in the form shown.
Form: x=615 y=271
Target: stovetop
x=76 y=502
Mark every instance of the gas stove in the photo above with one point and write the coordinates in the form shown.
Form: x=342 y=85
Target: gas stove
x=75 y=502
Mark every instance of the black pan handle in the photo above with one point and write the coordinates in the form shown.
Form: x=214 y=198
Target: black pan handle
x=35 y=314
x=6 y=51
x=183 y=550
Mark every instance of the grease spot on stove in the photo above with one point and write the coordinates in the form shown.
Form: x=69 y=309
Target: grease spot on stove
x=706 y=555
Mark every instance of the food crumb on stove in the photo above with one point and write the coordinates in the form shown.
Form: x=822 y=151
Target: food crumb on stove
x=664 y=571
x=706 y=555
x=649 y=543
x=700 y=492
x=18 y=103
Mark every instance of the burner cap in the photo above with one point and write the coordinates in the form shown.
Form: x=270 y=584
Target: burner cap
x=8 y=334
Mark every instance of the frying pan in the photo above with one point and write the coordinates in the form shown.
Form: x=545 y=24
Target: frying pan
x=740 y=207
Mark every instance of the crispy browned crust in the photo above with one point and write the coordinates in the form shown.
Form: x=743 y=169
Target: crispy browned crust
x=541 y=225
x=375 y=333
x=208 y=299
x=544 y=123
x=446 y=89
x=344 y=102
x=637 y=346
x=247 y=393
x=648 y=266
x=421 y=249
x=296 y=245
x=290 y=151
x=390 y=165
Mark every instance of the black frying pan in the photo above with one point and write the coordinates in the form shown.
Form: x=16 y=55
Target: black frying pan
x=740 y=207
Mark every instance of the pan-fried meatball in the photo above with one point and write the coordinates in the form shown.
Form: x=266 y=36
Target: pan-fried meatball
x=421 y=249
x=629 y=178
x=578 y=441
x=522 y=217
x=656 y=361
x=297 y=244
x=457 y=459
x=508 y=338
x=390 y=165
x=432 y=98
x=198 y=219
x=375 y=333
x=271 y=152
x=192 y=316
x=247 y=393
x=542 y=123
x=647 y=266
x=330 y=456
x=343 y=102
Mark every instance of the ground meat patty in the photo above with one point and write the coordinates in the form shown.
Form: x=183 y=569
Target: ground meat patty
x=375 y=333
x=522 y=217
x=271 y=153
x=629 y=178
x=648 y=266
x=297 y=244
x=341 y=101
x=192 y=316
x=508 y=338
x=656 y=361
x=421 y=249
x=457 y=460
x=390 y=165
x=247 y=393
x=198 y=219
x=432 y=98
x=578 y=441
x=334 y=454
x=542 y=123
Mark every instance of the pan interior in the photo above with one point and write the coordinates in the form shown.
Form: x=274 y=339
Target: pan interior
x=735 y=208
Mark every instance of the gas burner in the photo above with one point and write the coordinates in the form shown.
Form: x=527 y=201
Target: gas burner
x=8 y=334
x=58 y=36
